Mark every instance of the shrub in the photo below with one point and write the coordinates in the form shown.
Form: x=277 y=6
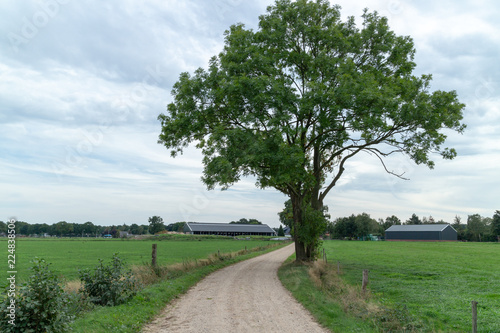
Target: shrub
x=41 y=305
x=108 y=285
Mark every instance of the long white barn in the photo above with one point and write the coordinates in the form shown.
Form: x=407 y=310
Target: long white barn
x=227 y=229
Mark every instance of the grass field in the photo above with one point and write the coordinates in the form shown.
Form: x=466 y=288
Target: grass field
x=68 y=255
x=430 y=285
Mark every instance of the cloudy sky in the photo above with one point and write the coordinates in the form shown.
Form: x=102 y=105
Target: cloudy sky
x=82 y=85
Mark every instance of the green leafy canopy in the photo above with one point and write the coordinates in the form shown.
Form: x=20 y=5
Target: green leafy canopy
x=304 y=80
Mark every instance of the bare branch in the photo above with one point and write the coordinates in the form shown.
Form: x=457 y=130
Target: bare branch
x=379 y=155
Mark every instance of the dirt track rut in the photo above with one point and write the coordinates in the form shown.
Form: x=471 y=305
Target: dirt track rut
x=245 y=297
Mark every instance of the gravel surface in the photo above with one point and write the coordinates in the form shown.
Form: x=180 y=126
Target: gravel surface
x=245 y=297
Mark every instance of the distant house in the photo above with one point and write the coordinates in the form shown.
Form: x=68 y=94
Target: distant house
x=421 y=232
x=227 y=229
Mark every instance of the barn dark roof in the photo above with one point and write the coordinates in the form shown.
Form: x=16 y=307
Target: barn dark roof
x=228 y=227
x=418 y=227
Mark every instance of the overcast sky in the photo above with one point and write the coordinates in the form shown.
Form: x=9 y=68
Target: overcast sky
x=82 y=85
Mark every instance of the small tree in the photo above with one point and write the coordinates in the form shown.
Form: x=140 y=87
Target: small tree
x=345 y=227
x=155 y=225
x=108 y=285
x=365 y=225
x=475 y=227
x=281 y=232
x=413 y=219
x=390 y=221
x=41 y=304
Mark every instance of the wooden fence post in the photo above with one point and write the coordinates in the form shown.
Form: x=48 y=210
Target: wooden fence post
x=365 y=280
x=474 y=317
x=153 y=256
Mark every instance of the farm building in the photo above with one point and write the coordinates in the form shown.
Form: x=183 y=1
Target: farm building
x=421 y=232
x=228 y=229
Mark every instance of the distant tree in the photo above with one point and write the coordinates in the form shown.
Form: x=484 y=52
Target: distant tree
x=413 y=219
x=254 y=221
x=38 y=229
x=62 y=228
x=44 y=229
x=3 y=227
x=143 y=228
x=495 y=224
x=240 y=221
x=89 y=228
x=281 y=232
x=22 y=228
x=345 y=227
x=134 y=229
x=365 y=225
x=155 y=225
x=78 y=229
x=475 y=227
x=177 y=226
x=390 y=221
x=429 y=220
x=246 y=221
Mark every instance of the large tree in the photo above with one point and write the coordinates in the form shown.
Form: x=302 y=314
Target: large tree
x=294 y=101
x=155 y=224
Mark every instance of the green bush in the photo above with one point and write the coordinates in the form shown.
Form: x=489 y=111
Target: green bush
x=41 y=305
x=108 y=285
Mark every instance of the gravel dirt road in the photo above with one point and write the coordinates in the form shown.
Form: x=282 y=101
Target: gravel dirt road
x=245 y=297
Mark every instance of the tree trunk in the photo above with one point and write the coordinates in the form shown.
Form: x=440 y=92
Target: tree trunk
x=300 y=246
x=300 y=252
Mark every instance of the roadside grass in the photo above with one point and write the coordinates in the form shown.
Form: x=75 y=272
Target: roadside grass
x=327 y=310
x=150 y=301
x=413 y=286
x=67 y=255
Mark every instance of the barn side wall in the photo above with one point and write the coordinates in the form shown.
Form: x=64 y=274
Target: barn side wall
x=413 y=235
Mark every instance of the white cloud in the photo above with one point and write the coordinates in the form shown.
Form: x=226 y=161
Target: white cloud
x=81 y=93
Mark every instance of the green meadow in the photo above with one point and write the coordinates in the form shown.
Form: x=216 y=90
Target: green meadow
x=68 y=255
x=430 y=285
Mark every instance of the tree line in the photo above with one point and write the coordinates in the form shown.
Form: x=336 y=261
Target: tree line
x=89 y=229
x=67 y=229
x=476 y=228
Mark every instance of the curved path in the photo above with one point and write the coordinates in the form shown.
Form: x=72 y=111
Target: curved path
x=245 y=297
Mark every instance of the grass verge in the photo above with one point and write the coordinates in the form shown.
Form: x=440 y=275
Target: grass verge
x=300 y=280
x=413 y=286
x=142 y=308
